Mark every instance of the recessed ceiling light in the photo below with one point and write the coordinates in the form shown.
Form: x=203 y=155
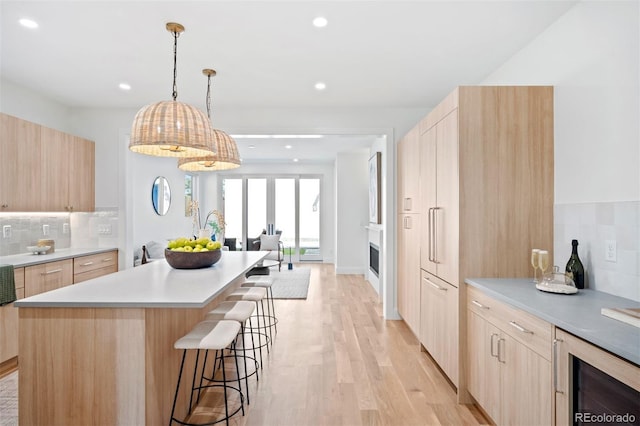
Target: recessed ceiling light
x=276 y=136
x=295 y=160
x=288 y=146
x=252 y=146
x=320 y=22
x=320 y=86
x=124 y=86
x=29 y=23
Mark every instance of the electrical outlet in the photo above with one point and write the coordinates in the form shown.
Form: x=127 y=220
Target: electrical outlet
x=65 y=228
x=610 y=251
x=45 y=230
x=6 y=231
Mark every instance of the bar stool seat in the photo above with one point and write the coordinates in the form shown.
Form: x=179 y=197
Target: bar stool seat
x=265 y=282
x=239 y=311
x=208 y=335
x=256 y=295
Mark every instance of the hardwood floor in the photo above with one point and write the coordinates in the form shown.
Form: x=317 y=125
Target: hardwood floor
x=335 y=361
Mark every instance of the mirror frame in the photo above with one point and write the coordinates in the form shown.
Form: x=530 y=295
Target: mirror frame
x=161 y=191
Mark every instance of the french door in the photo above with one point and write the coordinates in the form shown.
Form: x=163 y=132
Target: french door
x=291 y=203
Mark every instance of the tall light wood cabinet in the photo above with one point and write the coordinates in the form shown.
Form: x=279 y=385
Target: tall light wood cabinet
x=409 y=270
x=409 y=172
x=486 y=195
x=19 y=165
x=43 y=169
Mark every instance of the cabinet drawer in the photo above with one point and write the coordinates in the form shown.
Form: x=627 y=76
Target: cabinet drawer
x=18 y=274
x=94 y=262
x=523 y=327
x=84 y=276
x=47 y=276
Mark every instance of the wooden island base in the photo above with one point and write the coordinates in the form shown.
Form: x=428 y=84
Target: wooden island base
x=115 y=366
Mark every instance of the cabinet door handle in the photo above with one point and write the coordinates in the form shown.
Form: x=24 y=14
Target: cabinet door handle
x=435 y=285
x=54 y=271
x=492 y=353
x=407 y=222
x=479 y=305
x=430 y=233
x=555 y=365
x=87 y=264
x=106 y=259
x=500 y=351
x=519 y=327
x=435 y=234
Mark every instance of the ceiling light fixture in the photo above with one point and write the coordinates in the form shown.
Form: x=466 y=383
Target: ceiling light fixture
x=226 y=156
x=320 y=22
x=288 y=146
x=277 y=136
x=320 y=86
x=28 y=23
x=172 y=128
x=124 y=86
x=295 y=160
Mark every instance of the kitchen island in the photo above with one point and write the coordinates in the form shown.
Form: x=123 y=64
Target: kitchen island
x=101 y=352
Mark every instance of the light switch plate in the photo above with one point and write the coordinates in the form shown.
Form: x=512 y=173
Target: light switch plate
x=45 y=230
x=6 y=231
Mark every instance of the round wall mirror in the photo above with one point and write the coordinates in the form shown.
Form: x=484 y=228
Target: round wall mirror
x=161 y=195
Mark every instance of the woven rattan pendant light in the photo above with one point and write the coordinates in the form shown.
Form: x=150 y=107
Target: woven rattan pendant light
x=227 y=151
x=172 y=128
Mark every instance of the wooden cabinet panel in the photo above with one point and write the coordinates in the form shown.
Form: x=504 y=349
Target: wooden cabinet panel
x=9 y=321
x=439 y=323
x=84 y=276
x=511 y=381
x=95 y=261
x=82 y=172
x=48 y=276
x=409 y=172
x=409 y=270
x=19 y=165
x=54 y=178
x=428 y=142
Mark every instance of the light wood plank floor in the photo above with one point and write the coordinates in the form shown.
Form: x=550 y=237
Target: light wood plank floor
x=335 y=361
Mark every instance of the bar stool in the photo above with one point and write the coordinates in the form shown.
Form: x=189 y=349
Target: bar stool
x=254 y=294
x=239 y=311
x=208 y=335
x=265 y=282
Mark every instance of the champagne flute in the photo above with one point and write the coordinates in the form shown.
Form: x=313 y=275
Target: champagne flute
x=543 y=261
x=534 y=262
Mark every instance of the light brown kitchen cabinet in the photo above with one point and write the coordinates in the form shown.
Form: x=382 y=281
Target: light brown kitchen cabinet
x=439 y=323
x=94 y=266
x=19 y=165
x=9 y=322
x=43 y=169
x=486 y=193
x=409 y=270
x=409 y=172
x=509 y=362
x=47 y=276
x=68 y=169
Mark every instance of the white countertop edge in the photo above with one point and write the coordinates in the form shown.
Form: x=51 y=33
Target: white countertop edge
x=596 y=337
x=28 y=259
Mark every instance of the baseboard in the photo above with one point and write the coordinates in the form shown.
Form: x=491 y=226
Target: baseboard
x=350 y=271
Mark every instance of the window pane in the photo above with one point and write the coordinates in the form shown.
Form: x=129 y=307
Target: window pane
x=256 y=207
x=232 y=199
x=309 y=217
x=285 y=203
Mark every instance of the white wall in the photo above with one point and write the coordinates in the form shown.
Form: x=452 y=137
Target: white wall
x=591 y=57
x=31 y=106
x=352 y=212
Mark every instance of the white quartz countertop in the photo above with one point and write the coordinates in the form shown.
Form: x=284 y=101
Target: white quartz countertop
x=578 y=314
x=28 y=259
x=153 y=285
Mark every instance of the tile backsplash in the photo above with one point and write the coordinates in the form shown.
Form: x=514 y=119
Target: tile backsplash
x=593 y=224
x=78 y=230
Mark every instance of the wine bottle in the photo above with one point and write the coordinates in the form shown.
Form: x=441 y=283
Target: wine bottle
x=574 y=269
x=144 y=255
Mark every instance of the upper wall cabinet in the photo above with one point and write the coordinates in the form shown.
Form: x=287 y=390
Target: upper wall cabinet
x=44 y=169
x=19 y=165
x=409 y=172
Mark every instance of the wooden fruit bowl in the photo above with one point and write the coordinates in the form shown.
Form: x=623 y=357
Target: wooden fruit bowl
x=190 y=260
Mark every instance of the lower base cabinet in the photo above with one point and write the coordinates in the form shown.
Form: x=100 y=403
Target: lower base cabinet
x=509 y=362
x=9 y=321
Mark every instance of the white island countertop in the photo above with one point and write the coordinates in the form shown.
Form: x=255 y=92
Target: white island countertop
x=30 y=259
x=153 y=285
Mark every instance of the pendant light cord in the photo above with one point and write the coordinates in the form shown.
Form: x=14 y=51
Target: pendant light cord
x=175 y=61
x=209 y=96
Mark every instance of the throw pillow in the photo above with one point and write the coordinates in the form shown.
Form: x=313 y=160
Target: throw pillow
x=269 y=242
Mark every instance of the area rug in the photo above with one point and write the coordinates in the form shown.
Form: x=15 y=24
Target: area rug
x=9 y=400
x=290 y=284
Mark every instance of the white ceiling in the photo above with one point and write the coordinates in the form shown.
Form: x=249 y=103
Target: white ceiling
x=267 y=53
